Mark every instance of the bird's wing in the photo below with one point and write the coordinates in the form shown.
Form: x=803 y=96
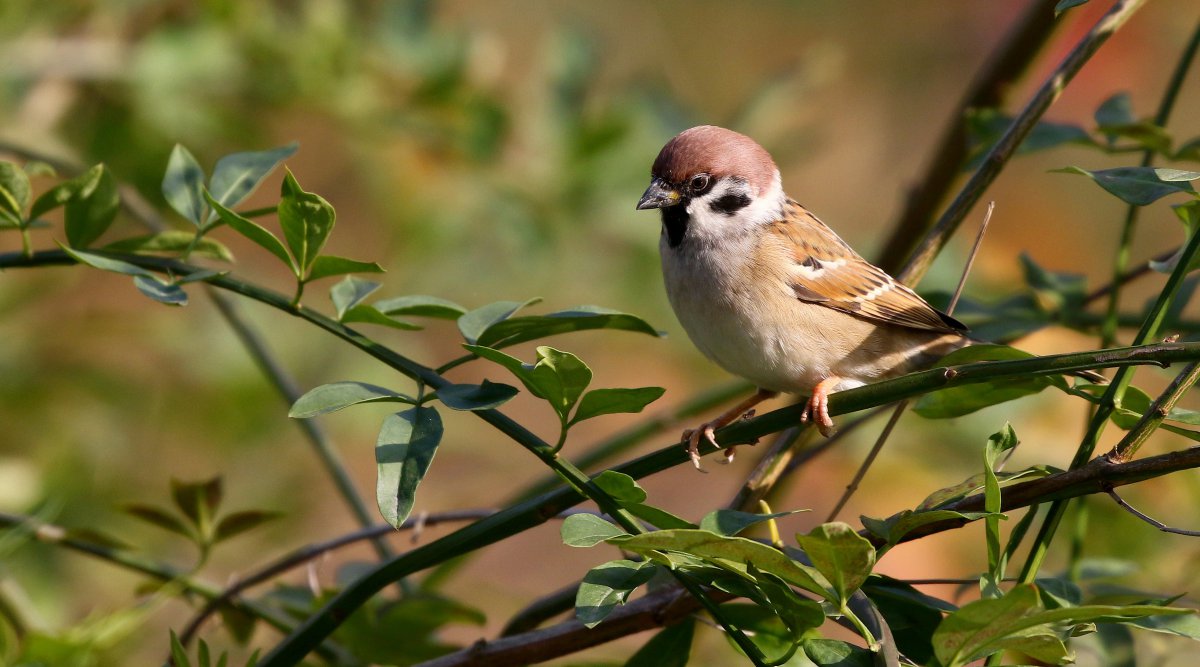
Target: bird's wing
x=824 y=270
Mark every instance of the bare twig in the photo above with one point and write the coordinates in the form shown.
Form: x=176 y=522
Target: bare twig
x=1148 y=519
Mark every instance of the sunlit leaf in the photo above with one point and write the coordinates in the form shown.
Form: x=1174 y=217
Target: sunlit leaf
x=512 y=330
x=1139 y=186
x=172 y=242
x=421 y=306
x=732 y=522
x=350 y=292
x=183 y=185
x=338 y=395
x=842 y=555
x=306 y=219
x=407 y=443
x=253 y=231
x=369 y=314
x=485 y=396
x=608 y=585
x=958 y=401
x=237 y=523
x=613 y=401
x=587 y=530
x=473 y=324
x=620 y=487
x=331 y=265
x=15 y=191
x=237 y=175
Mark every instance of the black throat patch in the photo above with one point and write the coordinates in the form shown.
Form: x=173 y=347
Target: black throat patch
x=675 y=223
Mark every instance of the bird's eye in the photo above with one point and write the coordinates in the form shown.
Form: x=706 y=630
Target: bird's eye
x=700 y=184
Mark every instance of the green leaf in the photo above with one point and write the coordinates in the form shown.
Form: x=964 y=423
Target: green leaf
x=183 y=185
x=732 y=522
x=912 y=615
x=406 y=445
x=1189 y=215
x=834 y=653
x=958 y=401
x=171 y=242
x=980 y=628
x=147 y=283
x=894 y=528
x=1064 y=5
x=306 y=219
x=170 y=294
x=473 y=324
x=558 y=377
x=331 y=265
x=158 y=517
x=369 y=314
x=842 y=555
x=1116 y=110
x=620 y=487
x=485 y=396
x=198 y=500
x=799 y=614
x=1182 y=625
x=237 y=523
x=64 y=192
x=659 y=518
x=92 y=209
x=1189 y=151
x=587 y=530
x=1139 y=186
x=338 y=395
x=612 y=401
x=608 y=585
x=253 y=231
x=671 y=647
x=707 y=545
x=350 y=292
x=512 y=330
x=178 y=654
x=1002 y=441
x=1056 y=293
x=237 y=175
x=15 y=191
x=421 y=306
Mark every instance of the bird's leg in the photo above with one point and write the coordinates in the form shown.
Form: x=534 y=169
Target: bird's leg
x=817 y=408
x=707 y=429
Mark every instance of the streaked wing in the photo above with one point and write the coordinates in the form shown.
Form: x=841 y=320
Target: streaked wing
x=826 y=271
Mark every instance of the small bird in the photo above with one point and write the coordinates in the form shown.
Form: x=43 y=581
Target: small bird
x=769 y=292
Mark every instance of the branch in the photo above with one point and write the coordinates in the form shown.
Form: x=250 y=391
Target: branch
x=1007 y=145
x=1006 y=64
x=666 y=607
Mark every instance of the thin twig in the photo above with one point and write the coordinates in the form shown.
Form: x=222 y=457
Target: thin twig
x=1148 y=519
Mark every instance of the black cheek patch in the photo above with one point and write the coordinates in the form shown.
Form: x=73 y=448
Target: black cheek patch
x=730 y=204
x=675 y=223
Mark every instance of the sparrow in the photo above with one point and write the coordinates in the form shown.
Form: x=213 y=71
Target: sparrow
x=769 y=292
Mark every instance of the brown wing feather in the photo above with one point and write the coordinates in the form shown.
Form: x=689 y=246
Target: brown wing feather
x=826 y=271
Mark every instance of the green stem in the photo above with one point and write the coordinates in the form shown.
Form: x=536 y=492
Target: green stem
x=1121 y=261
x=258 y=212
x=26 y=243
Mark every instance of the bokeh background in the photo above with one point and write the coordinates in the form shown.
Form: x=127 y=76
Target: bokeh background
x=494 y=150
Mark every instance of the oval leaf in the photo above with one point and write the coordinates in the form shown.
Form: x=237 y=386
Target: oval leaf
x=253 y=231
x=473 y=324
x=608 y=585
x=306 y=219
x=1139 y=186
x=350 y=292
x=403 y=452
x=510 y=331
x=612 y=401
x=421 y=306
x=842 y=555
x=338 y=395
x=237 y=175
x=183 y=185
x=485 y=396
x=331 y=265
x=587 y=530
x=171 y=242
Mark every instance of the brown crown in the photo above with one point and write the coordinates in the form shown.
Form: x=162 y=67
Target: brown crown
x=718 y=152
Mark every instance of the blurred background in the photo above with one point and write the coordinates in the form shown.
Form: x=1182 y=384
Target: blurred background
x=486 y=151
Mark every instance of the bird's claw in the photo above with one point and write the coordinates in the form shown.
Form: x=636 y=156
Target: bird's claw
x=693 y=436
x=817 y=409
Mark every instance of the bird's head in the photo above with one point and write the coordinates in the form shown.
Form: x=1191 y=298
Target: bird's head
x=712 y=182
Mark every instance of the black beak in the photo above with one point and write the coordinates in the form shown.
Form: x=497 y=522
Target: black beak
x=659 y=195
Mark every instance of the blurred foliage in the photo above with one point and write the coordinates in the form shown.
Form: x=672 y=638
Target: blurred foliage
x=479 y=152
